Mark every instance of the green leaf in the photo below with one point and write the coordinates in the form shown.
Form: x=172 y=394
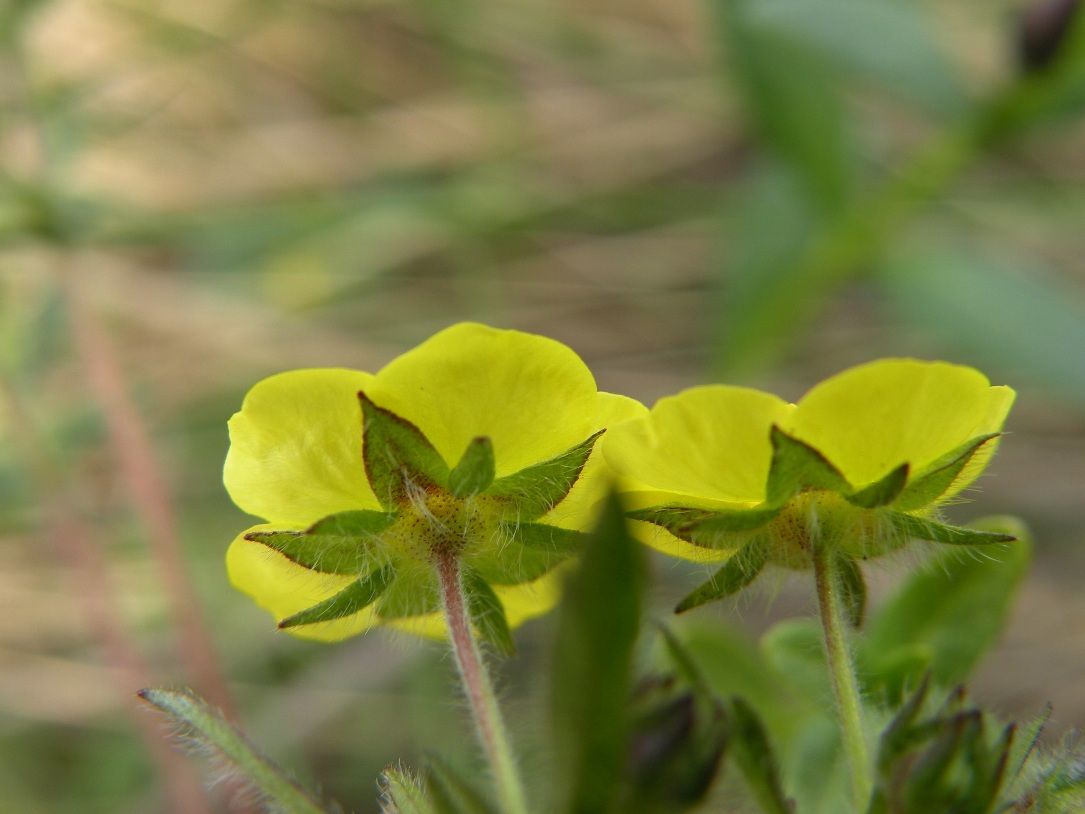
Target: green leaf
x=488 y=614
x=797 y=466
x=715 y=529
x=920 y=528
x=450 y=793
x=338 y=544
x=852 y=589
x=206 y=726
x=795 y=649
x=590 y=678
x=534 y=491
x=756 y=759
x=400 y=462
x=882 y=492
x=954 y=609
x=736 y=573
x=404 y=793
x=933 y=482
x=475 y=471
x=792 y=94
x=884 y=41
x=1018 y=325
x=775 y=225
x=356 y=596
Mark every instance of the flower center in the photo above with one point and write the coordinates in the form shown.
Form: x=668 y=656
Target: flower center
x=817 y=514
x=433 y=523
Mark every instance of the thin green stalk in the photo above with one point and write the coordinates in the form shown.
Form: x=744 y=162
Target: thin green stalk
x=845 y=686
x=476 y=682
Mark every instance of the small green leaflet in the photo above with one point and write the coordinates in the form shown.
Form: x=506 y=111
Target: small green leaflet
x=534 y=491
x=797 y=466
x=475 y=471
x=921 y=528
x=939 y=476
x=736 y=573
x=488 y=614
x=398 y=457
x=339 y=544
x=356 y=596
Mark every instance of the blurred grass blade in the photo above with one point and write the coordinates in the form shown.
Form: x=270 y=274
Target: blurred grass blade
x=954 y=609
x=881 y=40
x=756 y=759
x=204 y=725
x=590 y=681
x=1012 y=325
x=792 y=95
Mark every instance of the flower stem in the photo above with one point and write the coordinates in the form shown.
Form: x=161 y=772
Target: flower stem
x=476 y=681
x=845 y=686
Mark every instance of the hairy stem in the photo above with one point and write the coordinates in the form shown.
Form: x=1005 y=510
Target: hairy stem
x=480 y=694
x=845 y=687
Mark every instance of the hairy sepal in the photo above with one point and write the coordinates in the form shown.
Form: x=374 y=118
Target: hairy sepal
x=535 y=490
x=338 y=544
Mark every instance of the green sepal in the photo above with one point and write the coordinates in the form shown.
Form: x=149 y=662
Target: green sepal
x=920 y=528
x=852 y=588
x=414 y=592
x=338 y=544
x=449 y=792
x=207 y=731
x=404 y=793
x=530 y=550
x=488 y=614
x=881 y=492
x=717 y=530
x=933 y=482
x=475 y=471
x=755 y=757
x=399 y=459
x=534 y=491
x=355 y=597
x=736 y=573
x=796 y=466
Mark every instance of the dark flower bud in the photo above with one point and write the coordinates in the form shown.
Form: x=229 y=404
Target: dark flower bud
x=674 y=749
x=1042 y=30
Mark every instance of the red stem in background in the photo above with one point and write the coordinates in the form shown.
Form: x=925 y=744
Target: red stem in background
x=147 y=493
x=82 y=554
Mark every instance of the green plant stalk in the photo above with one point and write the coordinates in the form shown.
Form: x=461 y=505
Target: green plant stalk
x=480 y=693
x=206 y=726
x=845 y=686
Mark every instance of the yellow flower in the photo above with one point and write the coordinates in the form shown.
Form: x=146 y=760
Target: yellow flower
x=478 y=445
x=861 y=463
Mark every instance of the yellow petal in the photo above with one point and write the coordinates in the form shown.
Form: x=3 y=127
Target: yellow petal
x=284 y=588
x=522 y=602
x=874 y=417
x=707 y=443
x=532 y=396
x=296 y=447
x=581 y=507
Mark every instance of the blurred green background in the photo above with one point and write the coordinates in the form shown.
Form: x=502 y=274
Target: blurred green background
x=196 y=194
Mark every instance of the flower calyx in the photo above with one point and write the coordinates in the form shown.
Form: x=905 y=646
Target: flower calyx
x=809 y=502
x=431 y=512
